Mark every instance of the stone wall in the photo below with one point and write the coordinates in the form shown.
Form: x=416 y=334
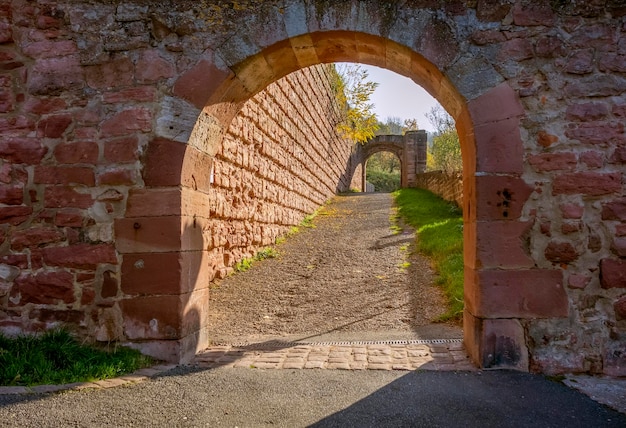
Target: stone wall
x=281 y=159
x=446 y=186
x=113 y=113
x=71 y=169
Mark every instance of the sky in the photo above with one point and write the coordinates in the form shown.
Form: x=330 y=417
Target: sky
x=399 y=96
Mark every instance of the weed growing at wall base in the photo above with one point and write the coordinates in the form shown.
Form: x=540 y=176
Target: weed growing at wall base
x=439 y=226
x=55 y=357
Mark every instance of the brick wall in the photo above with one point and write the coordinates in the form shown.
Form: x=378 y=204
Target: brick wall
x=448 y=187
x=280 y=160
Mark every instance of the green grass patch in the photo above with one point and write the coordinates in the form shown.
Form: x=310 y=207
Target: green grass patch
x=265 y=253
x=439 y=226
x=55 y=357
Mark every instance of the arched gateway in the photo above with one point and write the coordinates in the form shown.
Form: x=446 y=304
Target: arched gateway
x=536 y=89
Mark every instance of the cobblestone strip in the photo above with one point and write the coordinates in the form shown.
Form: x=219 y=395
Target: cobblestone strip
x=449 y=356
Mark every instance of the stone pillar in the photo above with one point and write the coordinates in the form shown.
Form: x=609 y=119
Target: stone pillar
x=165 y=263
x=414 y=156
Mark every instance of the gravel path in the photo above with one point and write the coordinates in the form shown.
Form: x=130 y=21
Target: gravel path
x=348 y=278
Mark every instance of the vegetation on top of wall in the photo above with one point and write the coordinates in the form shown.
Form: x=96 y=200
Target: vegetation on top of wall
x=439 y=227
x=394 y=125
x=444 y=153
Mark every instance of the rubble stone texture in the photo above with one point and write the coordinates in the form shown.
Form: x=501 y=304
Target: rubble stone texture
x=146 y=146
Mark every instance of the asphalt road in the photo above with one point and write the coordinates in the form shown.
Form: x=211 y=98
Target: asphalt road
x=229 y=397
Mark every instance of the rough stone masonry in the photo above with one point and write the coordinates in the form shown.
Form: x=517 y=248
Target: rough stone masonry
x=147 y=145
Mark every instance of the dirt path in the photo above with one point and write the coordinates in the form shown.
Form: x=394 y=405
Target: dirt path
x=345 y=279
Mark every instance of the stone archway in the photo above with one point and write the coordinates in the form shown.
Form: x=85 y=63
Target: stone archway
x=494 y=197
x=112 y=112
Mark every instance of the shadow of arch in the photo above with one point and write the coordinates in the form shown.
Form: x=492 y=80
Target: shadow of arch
x=483 y=108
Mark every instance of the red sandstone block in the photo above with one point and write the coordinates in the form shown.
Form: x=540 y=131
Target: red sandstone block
x=533 y=293
x=11 y=195
x=592 y=159
x=151 y=67
x=500 y=197
x=43 y=106
x=601 y=36
x=578 y=281
x=197 y=172
x=619 y=155
x=151 y=273
x=533 y=13
x=587 y=183
x=44 y=288
x=559 y=161
x=122 y=150
x=127 y=122
x=484 y=37
x=112 y=74
x=164 y=273
x=35 y=237
x=613 y=273
x=134 y=94
x=88 y=296
x=15 y=215
x=199 y=82
x=80 y=256
x=5 y=173
x=63 y=197
x=80 y=152
x=614 y=210
x=154 y=202
x=561 y=252
x=148 y=234
x=515 y=50
x=16 y=125
x=64 y=175
x=502 y=244
x=152 y=317
x=18 y=260
x=596 y=132
x=587 y=112
x=116 y=177
x=49 y=48
x=619 y=246
x=572 y=211
x=620 y=230
x=22 y=150
x=580 y=62
x=499 y=147
x=619 y=110
x=69 y=218
x=164 y=161
x=51 y=75
x=595 y=86
x=550 y=47
x=497 y=104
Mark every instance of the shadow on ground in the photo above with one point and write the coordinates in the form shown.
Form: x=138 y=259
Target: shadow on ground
x=488 y=399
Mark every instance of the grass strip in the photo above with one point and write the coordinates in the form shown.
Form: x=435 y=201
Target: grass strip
x=55 y=357
x=439 y=226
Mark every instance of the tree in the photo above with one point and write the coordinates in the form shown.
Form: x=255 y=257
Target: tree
x=445 y=151
x=353 y=91
x=396 y=126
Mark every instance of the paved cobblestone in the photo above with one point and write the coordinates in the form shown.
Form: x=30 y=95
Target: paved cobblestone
x=357 y=356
